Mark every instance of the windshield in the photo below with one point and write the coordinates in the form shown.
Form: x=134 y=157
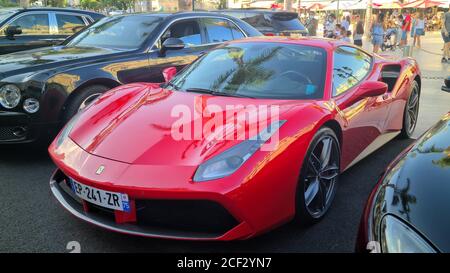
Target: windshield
x=122 y=32
x=259 y=70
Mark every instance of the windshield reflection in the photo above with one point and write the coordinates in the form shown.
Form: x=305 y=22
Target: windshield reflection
x=258 y=70
x=122 y=32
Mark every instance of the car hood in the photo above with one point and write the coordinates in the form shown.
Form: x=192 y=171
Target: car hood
x=417 y=188
x=47 y=58
x=139 y=124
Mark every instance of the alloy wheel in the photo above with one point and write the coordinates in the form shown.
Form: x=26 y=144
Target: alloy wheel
x=321 y=176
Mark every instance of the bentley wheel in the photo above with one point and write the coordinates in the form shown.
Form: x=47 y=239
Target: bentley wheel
x=411 y=112
x=319 y=177
x=82 y=100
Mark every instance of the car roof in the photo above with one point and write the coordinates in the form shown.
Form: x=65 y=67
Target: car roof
x=254 y=10
x=180 y=14
x=55 y=9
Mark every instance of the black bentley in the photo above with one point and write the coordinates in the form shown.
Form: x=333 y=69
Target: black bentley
x=41 y=89
x=408 y=211
x=24 y=29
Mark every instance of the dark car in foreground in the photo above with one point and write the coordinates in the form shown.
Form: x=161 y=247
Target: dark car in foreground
x=269 y=22
x=408 y=211
x=42 y=89
x=24 y=29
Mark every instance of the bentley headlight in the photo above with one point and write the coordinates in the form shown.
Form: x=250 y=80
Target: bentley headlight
x=397 y=237
x=9 y=96
x=230 y=160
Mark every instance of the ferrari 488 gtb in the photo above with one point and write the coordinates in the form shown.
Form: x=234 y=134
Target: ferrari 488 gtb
x=247 y=137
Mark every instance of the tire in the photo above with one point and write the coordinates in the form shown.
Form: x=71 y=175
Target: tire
x=411 y=112
x=311 y=205
x=81 y=100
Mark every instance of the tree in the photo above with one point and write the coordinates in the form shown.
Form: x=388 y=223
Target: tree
x=7 y=4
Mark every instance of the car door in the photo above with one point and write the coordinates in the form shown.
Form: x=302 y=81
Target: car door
x=191 y=33
x=364 y=120
x=67 y=24
x=35 y=32
x=199 y=35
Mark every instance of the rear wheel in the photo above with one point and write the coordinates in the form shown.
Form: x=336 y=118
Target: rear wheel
x=411 y=112
x=82 y=100
x=318 y=178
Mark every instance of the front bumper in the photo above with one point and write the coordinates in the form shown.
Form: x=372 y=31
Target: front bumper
x=165 y=208
x=222 y=225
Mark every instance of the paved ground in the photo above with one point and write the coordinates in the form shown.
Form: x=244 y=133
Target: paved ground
x=31 y=220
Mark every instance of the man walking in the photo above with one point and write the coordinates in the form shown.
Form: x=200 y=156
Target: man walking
x=446 y=36
x=406 y=27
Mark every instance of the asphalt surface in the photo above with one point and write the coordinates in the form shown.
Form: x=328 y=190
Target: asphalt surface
x=32 y=221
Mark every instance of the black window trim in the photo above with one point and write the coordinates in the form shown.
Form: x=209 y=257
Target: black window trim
x=154 y=47
x=357 y=83
x=22 y=14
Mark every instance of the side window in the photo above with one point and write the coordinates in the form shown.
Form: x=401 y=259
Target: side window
x=350 y=66
x=187 y=30
x=33 y=24
x=69 y=24
x=237 y=33
x=217 y=30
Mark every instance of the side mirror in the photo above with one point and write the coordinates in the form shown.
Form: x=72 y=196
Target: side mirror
x=11 y=31
x=169 y=73
x=446 y=86
x=368 y=89
x=171 y=44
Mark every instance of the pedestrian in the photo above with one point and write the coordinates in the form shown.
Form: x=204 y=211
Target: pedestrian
x=419 y=29
x=398 y=34
x=330 y=25
x=312 y=24
x=346 y=37
x=406 y=27
x=358 y=31
x=446 y=36
x=337 y=32
x=346 y=23
x=377 y=32
x=413 y=28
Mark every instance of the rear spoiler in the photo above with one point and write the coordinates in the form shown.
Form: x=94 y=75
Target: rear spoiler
x=284 y=16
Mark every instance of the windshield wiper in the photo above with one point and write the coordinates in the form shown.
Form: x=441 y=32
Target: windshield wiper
x=216 y=93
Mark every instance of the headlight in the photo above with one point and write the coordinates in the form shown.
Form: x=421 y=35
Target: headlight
x=9 y=96
x=397 y=237
x=230 y=160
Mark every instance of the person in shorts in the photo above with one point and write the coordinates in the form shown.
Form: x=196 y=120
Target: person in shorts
x=446 y=36
x=377 y=32
x=406 y=27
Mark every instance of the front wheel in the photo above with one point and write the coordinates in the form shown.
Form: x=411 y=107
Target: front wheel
x=411 y=112
x=81 y=100
x=318 y=178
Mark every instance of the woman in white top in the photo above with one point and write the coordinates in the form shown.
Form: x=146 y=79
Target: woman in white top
x=419 y=29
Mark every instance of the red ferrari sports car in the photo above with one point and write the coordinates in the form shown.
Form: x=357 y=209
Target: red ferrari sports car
x=251 y=135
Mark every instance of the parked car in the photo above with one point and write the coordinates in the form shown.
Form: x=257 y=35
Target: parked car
x=407 y=211
x=23 y=29
x=42 y=89
x=270 y=23
x=331 y=104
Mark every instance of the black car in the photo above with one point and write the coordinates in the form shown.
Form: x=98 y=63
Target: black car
x=23 y=29
x=41 y=89
x=408 y=211
x=269 y=22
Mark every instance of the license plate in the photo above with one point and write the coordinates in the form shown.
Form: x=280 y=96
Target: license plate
x=106 y=199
